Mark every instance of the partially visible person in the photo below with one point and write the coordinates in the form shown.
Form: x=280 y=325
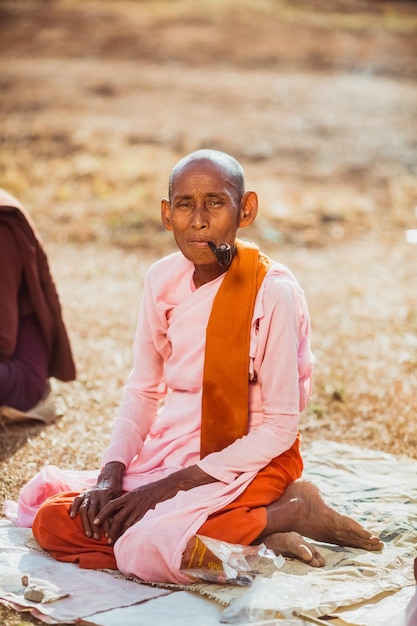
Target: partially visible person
x=34 y=343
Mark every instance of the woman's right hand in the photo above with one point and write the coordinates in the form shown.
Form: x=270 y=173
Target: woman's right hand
x=90 y=502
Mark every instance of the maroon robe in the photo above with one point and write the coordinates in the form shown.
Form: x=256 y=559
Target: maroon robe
x=37 y=297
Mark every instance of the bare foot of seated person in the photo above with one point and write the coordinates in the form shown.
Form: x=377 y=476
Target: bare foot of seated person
x=302 y=512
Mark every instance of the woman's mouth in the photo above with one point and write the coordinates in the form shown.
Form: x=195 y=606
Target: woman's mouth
x=200 y=243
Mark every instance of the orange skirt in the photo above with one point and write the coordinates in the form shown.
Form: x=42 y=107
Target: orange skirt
x=244 y=519
x=64 y=538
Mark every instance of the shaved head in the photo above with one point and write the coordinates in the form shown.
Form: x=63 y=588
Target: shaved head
x=230 y=169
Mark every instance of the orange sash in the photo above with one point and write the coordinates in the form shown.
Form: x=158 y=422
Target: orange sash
x=226 y=366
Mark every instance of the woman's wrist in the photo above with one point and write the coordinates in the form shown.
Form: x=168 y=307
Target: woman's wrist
x=112 y=474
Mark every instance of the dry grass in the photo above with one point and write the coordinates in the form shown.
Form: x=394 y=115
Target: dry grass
x=102 y=98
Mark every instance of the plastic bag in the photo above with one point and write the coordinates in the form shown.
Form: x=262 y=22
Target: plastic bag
x=221 y=562
x=279 y=596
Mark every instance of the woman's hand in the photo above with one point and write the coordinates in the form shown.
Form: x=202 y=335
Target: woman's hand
x=122 y=512
x=89 y=503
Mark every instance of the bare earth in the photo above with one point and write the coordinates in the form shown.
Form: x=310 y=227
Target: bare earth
x=99 y=100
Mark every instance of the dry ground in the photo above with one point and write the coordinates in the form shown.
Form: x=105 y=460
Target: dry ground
x=98 y=101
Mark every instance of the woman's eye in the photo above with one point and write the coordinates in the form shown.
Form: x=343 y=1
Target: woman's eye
x=216 y=202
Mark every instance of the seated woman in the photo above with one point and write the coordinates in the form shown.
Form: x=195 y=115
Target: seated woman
x=34 y=344
x=223 y=340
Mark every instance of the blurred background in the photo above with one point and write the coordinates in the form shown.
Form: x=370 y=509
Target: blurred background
x=317 y=99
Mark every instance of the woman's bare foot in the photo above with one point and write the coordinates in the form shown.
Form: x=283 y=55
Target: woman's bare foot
x=302 y=509
x=293 y=545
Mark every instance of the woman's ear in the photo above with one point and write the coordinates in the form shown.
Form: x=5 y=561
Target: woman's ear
x=166 y=214
x=248 y=209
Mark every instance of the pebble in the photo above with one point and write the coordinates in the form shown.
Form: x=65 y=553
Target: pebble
x=33 y=594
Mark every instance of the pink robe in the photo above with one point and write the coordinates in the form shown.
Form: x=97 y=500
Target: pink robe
x=157 y=430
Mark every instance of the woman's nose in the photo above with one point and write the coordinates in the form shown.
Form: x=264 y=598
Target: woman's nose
x=200 y=217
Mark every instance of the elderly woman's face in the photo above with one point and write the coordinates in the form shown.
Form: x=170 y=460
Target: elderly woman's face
x=204 y=206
